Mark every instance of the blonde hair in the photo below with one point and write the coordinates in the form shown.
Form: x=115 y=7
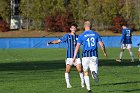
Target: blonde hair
x=87 y=24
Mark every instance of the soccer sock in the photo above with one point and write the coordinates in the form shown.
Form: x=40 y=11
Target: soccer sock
x=67 y=78
x=121 y=55
x=132 y=56
x=87 y=82
x=82 y=77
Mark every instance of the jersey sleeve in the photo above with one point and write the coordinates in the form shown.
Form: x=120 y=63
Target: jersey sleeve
x=79 y=39
x=64 y=38
x=123 y=36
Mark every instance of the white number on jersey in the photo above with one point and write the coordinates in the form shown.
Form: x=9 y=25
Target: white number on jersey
x=91 y=42
x=127 y=32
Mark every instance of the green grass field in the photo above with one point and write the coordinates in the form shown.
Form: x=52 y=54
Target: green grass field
x=42 y=71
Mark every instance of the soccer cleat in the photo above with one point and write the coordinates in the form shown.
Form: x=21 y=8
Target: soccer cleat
x=95 y=76
x=69 y=86
x=118 y=60
x=89 y=91
x=132 y=61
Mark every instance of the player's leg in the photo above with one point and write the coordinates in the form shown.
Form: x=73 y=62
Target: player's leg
x=94 y=68
x=68 y=68
x=139 y=54
x=85 y=64
x=80 y=71
x=123 y=47
x=130 y=52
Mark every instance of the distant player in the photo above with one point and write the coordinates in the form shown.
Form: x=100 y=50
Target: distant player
x=71 y=40
x=139 y=51
x=126 y=42
x=89 y=39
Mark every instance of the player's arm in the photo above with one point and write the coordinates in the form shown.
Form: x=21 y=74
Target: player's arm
x=103 y=48
x=76 y=51
x=54 y=42
x=62 y=39
x=123 y=36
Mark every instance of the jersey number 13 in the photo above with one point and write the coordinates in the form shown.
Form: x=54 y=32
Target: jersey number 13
x=91 y=42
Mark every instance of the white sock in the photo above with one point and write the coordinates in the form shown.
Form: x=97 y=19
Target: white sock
x=87 y=82
x=121 y=55
x=67 y=78
x=139 y=59
x=132 y=56
x=82 y=77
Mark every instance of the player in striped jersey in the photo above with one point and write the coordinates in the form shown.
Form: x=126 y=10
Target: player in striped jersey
x=89 y=39
x=126 y=42
x=71 y=40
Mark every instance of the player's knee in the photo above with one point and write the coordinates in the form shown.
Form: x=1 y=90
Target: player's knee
x=122 y=50
x=80 y=70
x=85 y=73
x=67 y=71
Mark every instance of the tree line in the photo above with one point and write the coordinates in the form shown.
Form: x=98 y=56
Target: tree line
x=35 y=13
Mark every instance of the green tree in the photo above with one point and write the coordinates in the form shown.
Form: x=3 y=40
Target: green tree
x=36 y=11
x=5 y=9
x=101 y=12
x=130 y=12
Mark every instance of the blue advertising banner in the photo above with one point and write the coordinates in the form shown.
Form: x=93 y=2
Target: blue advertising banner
x=109 y=41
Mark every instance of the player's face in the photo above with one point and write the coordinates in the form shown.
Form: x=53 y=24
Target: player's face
x=123 y=27
x=73 y=28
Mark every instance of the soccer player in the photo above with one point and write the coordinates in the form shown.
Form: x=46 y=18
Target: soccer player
x=126 y=42
x=139 y=51
x=71 y=40
x=89 y=39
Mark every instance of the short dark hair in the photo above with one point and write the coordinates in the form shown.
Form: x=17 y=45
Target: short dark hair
x=124 y=24
x=74 y=24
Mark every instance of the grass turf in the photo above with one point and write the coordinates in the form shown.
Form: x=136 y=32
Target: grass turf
x=42 y=71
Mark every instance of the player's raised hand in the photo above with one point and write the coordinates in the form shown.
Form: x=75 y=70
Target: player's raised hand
x=105 y=54
x=73 y=60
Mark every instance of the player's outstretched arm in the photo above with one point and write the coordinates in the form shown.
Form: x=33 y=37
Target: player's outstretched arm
x=103 y=48
x=54 y=42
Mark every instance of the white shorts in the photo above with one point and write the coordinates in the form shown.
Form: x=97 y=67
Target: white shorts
x=69 y=61
x=90 y=63
x=126 y=46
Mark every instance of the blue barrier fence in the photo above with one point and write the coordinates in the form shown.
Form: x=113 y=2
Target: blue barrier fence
x=109 y=41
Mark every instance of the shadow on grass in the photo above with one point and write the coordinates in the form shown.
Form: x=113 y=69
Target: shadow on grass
x=131 y=90
x=57 y=64
x=121 y=83
x=112 y=62
x=120 y=90
x=39 y=65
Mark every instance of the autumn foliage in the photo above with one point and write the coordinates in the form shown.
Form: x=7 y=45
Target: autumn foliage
x=59 y=22
x=117 y=22
x=4 y=27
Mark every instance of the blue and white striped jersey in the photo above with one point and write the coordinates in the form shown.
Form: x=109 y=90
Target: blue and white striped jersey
x=126 y=36
x=71 y=41
x=89 y=39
